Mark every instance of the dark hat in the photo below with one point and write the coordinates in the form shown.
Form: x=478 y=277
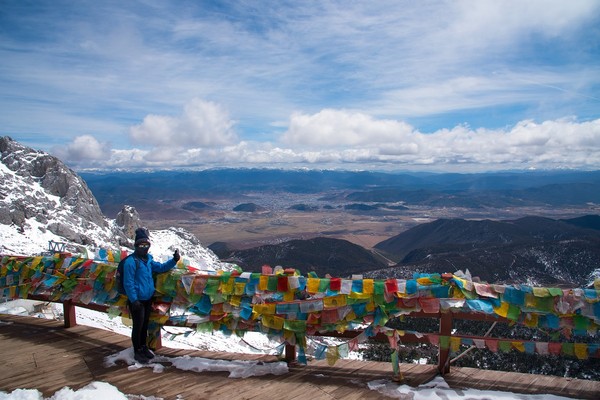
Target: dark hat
x=141 y=236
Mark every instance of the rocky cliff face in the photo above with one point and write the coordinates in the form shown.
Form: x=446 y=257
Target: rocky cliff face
x=128 y=221
x=42 y=200
x=39 y=193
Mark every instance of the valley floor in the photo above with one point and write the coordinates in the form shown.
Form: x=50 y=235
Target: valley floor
x=246 y=230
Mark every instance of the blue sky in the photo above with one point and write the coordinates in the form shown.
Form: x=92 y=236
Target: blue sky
x=398 y=85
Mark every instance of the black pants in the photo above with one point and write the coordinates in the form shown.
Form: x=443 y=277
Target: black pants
x=140 y=317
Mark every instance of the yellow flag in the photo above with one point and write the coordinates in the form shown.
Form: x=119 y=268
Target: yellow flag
x=502 y=310
x=272 y=321
x=454 y=344
x=531 y=320
x=312 y=285
x=288 y=296
x=332 y=355
x=424 y=281
x=263 y=282
x=368 y=286
x=334 y=301
x=541 y=292
x=581 y=350
x=268 y=308
x=36 y=261
x=519 y=346
x=227 y=286
x=239 y=288
x=530 y=300
x=235 y=301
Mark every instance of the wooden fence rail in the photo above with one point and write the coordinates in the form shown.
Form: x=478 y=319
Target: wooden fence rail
x=295 y=306
x=446 y=321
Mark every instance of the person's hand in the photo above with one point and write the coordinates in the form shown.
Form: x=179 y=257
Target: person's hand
x=176 y=255
x=136 y=306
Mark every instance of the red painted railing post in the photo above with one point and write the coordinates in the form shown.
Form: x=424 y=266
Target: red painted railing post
x=290 y=353
x=444 y=354
x=69 y=314
x=158 y=340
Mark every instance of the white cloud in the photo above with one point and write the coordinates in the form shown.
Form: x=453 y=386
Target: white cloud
x=344 y=139
x=564 y=142
x=490 y=21
x=85 y=149
x=202 y=124
x=361 y=138
x=340 y=128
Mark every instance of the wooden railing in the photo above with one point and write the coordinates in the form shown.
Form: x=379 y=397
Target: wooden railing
x=31 y=278
x=445 y=324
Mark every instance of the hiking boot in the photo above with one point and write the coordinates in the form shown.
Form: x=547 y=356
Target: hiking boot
x=140 y=357
x=147 y=352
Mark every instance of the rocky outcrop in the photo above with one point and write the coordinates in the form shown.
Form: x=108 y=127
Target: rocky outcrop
x=39 y=189
x=128 y=220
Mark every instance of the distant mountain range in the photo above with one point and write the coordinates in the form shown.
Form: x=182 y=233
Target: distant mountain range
x=506 y=189
x=539 y=250
x=564 y=194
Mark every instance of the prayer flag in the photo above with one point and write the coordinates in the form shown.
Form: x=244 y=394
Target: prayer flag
x=391 y=286
x=581 y=350
x=504 y=346
x=492 y=345
x=554 y=348
x=335 y=284
x=541 y=348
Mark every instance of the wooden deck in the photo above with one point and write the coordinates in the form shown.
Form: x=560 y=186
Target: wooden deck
x=42 y=354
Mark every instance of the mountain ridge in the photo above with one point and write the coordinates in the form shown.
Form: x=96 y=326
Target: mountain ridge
x=537 y=249
x=320 y=255
x=38 y=189
x=43 y=200
x=459 y=231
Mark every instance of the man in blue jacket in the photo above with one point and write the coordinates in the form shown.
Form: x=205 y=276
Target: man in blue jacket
x=139 y=288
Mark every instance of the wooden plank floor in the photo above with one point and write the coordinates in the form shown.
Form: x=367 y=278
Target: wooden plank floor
x=41 y=354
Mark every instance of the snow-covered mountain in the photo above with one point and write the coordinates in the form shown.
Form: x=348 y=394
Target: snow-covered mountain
x=43 y=200
x=164 y=243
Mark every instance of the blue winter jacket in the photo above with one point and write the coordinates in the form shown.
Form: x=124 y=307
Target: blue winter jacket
x=138 y=282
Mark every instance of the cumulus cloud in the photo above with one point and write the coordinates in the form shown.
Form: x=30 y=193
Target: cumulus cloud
x=202 y=124
x=339 y=128
x=366 y=142
x=355 y=137
x=85 y=149
x=564 y=142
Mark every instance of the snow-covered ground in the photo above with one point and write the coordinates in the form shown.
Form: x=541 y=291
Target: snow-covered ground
x=33 y=241
x=436 y=389
x=184 y=338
